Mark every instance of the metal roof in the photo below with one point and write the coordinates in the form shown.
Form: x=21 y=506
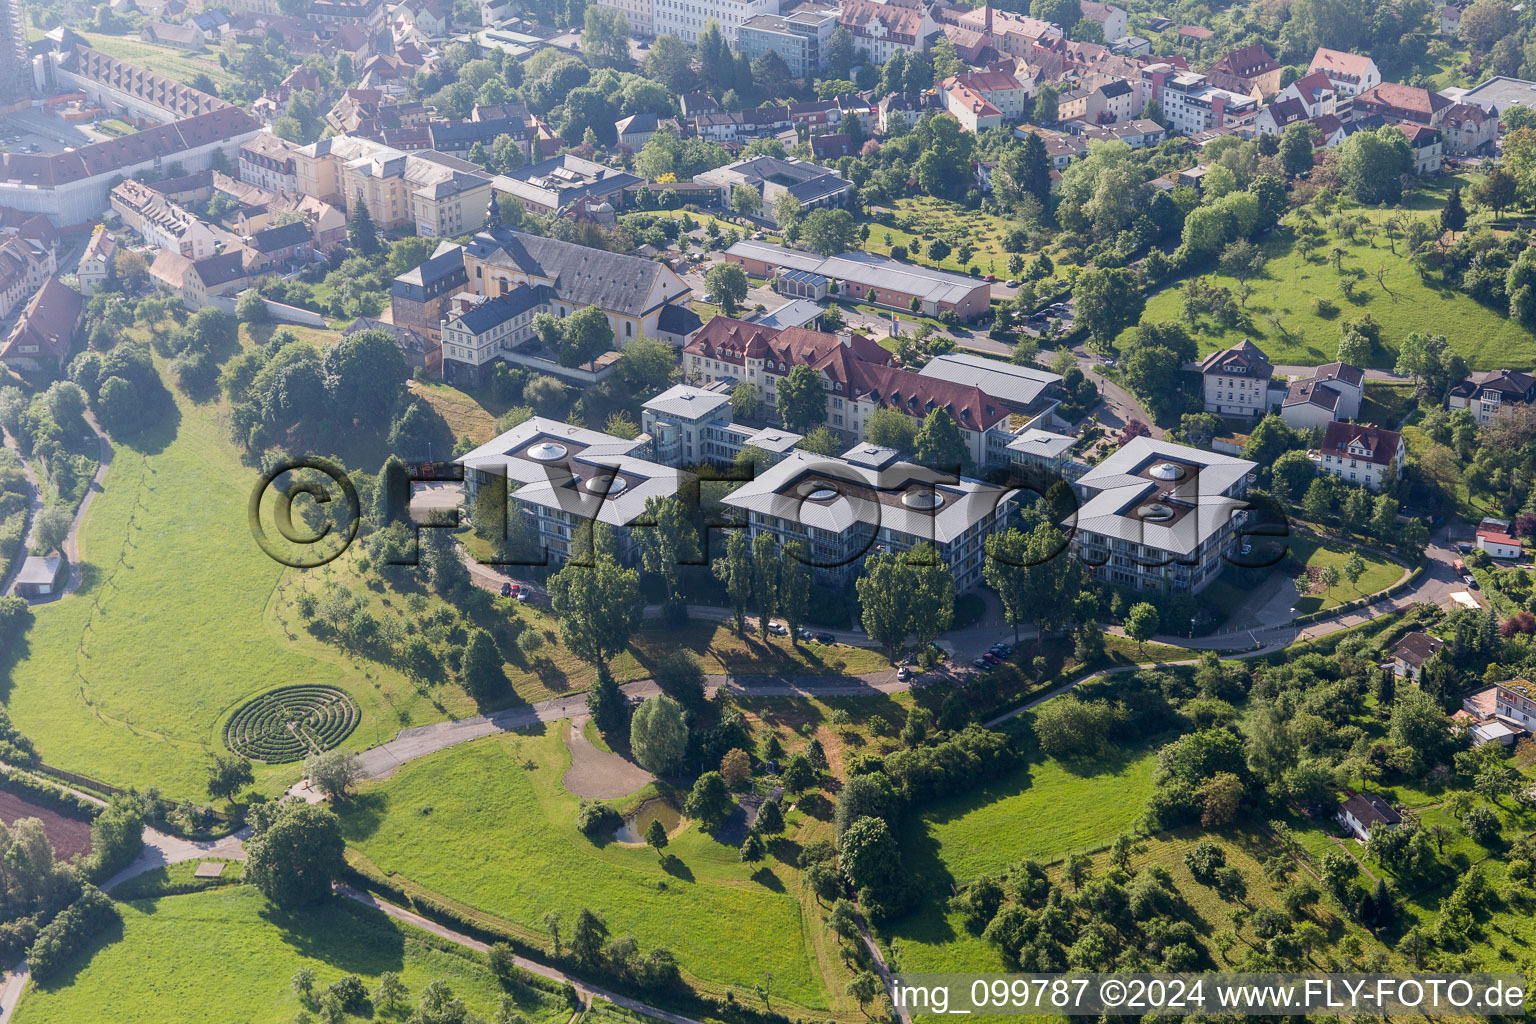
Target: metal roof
x=1003 y=381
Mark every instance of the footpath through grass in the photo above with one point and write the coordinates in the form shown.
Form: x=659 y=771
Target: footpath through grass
x=227 y=955
x=488 y=824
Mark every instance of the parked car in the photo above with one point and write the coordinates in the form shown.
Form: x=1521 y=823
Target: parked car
x=1011 y=283
x=804 y=634
x=904 y=673
x=825 y=638
x=778 y=629
x=1002 y=650
x=506 y=590
x=757 y=236
x=981 y=663
x=991 y=659
x=1464 y=548
x=990 y=278
x=1471 y=582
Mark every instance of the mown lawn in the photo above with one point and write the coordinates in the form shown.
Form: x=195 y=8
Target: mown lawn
x=1317 y=553
x=180 y=65
x=928 y=218
x=1401 y=303
x=227 y=955
x=489 y=824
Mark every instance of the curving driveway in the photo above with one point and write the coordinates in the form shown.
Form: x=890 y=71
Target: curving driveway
x=71 y=548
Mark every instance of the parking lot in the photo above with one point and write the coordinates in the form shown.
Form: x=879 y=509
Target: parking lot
x=31 y=131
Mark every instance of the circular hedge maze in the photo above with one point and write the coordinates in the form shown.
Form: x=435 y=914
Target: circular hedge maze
x=290 y=723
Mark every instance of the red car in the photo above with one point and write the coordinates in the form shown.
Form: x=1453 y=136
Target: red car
x=990 y=278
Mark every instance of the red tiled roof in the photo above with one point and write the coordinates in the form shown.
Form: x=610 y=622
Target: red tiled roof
x=1245 y=62
x=1420 y=102
x=1382 y=443
x=48 y=322
x=1338 y=62
x=1498 y=537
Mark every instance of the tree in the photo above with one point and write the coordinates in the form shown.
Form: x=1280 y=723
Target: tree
x=829 y=231
x=726 y=283
x=802 y=404
x=670 y=63
x=871 y=858
x=365 y=376
x=1107 y=302
x=1142 y=622
x=668 y=541
x=656 y=836
x=746 y=200
x=1498 y=189
x=794 y=587
x=1354 y=568
x=483 y=676
x=735 y=571
x=587 y=938
x=658 y=736
x=939 y=446
x=905 y=594
x=1296 y=148
x=1485 y=23
x=226 y=775
x=765 y=579
x=362 y=236
x=770 y=819
x=51 y=528
x=390 y=991
x=890 y=428
x=333 y=772
x=605 y=36
x=1453 y=216
x=798 y=774
x=745 y=398
x=735 y=767
x=710 y=800
x=294 y=853
x=251 y=308
x=1033 y=577
x=865 y=988
x=597 y=605
x=584 y=335
x=303 y=982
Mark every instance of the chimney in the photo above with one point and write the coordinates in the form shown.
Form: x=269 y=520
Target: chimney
x=845 y=340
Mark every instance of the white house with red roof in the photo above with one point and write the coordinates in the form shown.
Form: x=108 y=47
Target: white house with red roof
x=1003 y=90
x=1350 y=73
x=1494 y=537
x=1315 y=91
x=1468 y=129
x=1361 y=454
x=882 y=29
x=971 y=108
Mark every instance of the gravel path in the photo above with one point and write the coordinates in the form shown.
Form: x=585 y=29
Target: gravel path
x=597 y=774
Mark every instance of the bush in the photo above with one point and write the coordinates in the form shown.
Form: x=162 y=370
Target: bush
x=1204 y=860
x=350 y=993
x=70 y=932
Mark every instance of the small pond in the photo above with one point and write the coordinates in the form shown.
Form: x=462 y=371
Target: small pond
x=655 y=809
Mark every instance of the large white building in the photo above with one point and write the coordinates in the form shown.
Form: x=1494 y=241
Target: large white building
x=799 y=38
x=869 y=500
x=690 y=425
x=1363 y=455
x=641 y=15
x=687 y=19
x=1191 y=104
x=1160 y=516
x=561 y=478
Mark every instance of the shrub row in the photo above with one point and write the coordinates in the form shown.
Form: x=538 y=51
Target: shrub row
x=1361 y=602
x=69 y=932
x=30 y=787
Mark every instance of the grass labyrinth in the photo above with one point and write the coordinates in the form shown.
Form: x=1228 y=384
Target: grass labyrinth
x=290 y=723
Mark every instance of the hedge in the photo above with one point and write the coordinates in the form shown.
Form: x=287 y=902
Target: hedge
x=70 y=932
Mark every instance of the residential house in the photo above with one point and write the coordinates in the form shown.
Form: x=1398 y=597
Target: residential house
x=1494 y=537
x=24 y=265
x=1105 y=102
x=1249 y=70
x=284 y=243
x=636 y=130
x=1410 y=653
x=267 y=161
x=1109 y=18
x=1003 y=90
x=1487 y=391
x=1427 y=146
x=1397 y=102
x=1361 y=812
x=1515 y=699
x=1275 y=117
x=418 y=298
x=1450 y=18
x=96 y=262
x=224 y=275
x=1350 y=73
x=1235 y=381
x=1333 y=392
x=43 y=339
x=186 y=36
x=1469 y=130
x=1316 y=92
x=1362 y=454
x=1160 y=516
x=1137 y=134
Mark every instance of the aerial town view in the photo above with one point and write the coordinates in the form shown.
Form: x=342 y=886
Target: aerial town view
x=765 y=511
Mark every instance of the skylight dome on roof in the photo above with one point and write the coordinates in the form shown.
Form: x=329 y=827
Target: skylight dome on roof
x=1155 y=512
x=609 y=485
x=547 y=451
x=1167 y=471
x=922 y=500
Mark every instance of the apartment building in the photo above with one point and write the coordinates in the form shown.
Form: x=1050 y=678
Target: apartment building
x=1160 y=516
x=267 y=161
x=561 y=478
x=1316 y=93
x=1350 y=73
x=161 y=222
x=686 y=19
x=1486 y=392
x=24 y=265
x=857 y=374
x=800 y=37
x=1361 y=454
x=1101 y=103
x=1007 y=93
x=690 y=425
x=435 y=194
x=869 y=500
x=1249 y=70
x=489 y=330
x=882 y=29
x=641 y=15
x=1235 y=381
x=1191 y=104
